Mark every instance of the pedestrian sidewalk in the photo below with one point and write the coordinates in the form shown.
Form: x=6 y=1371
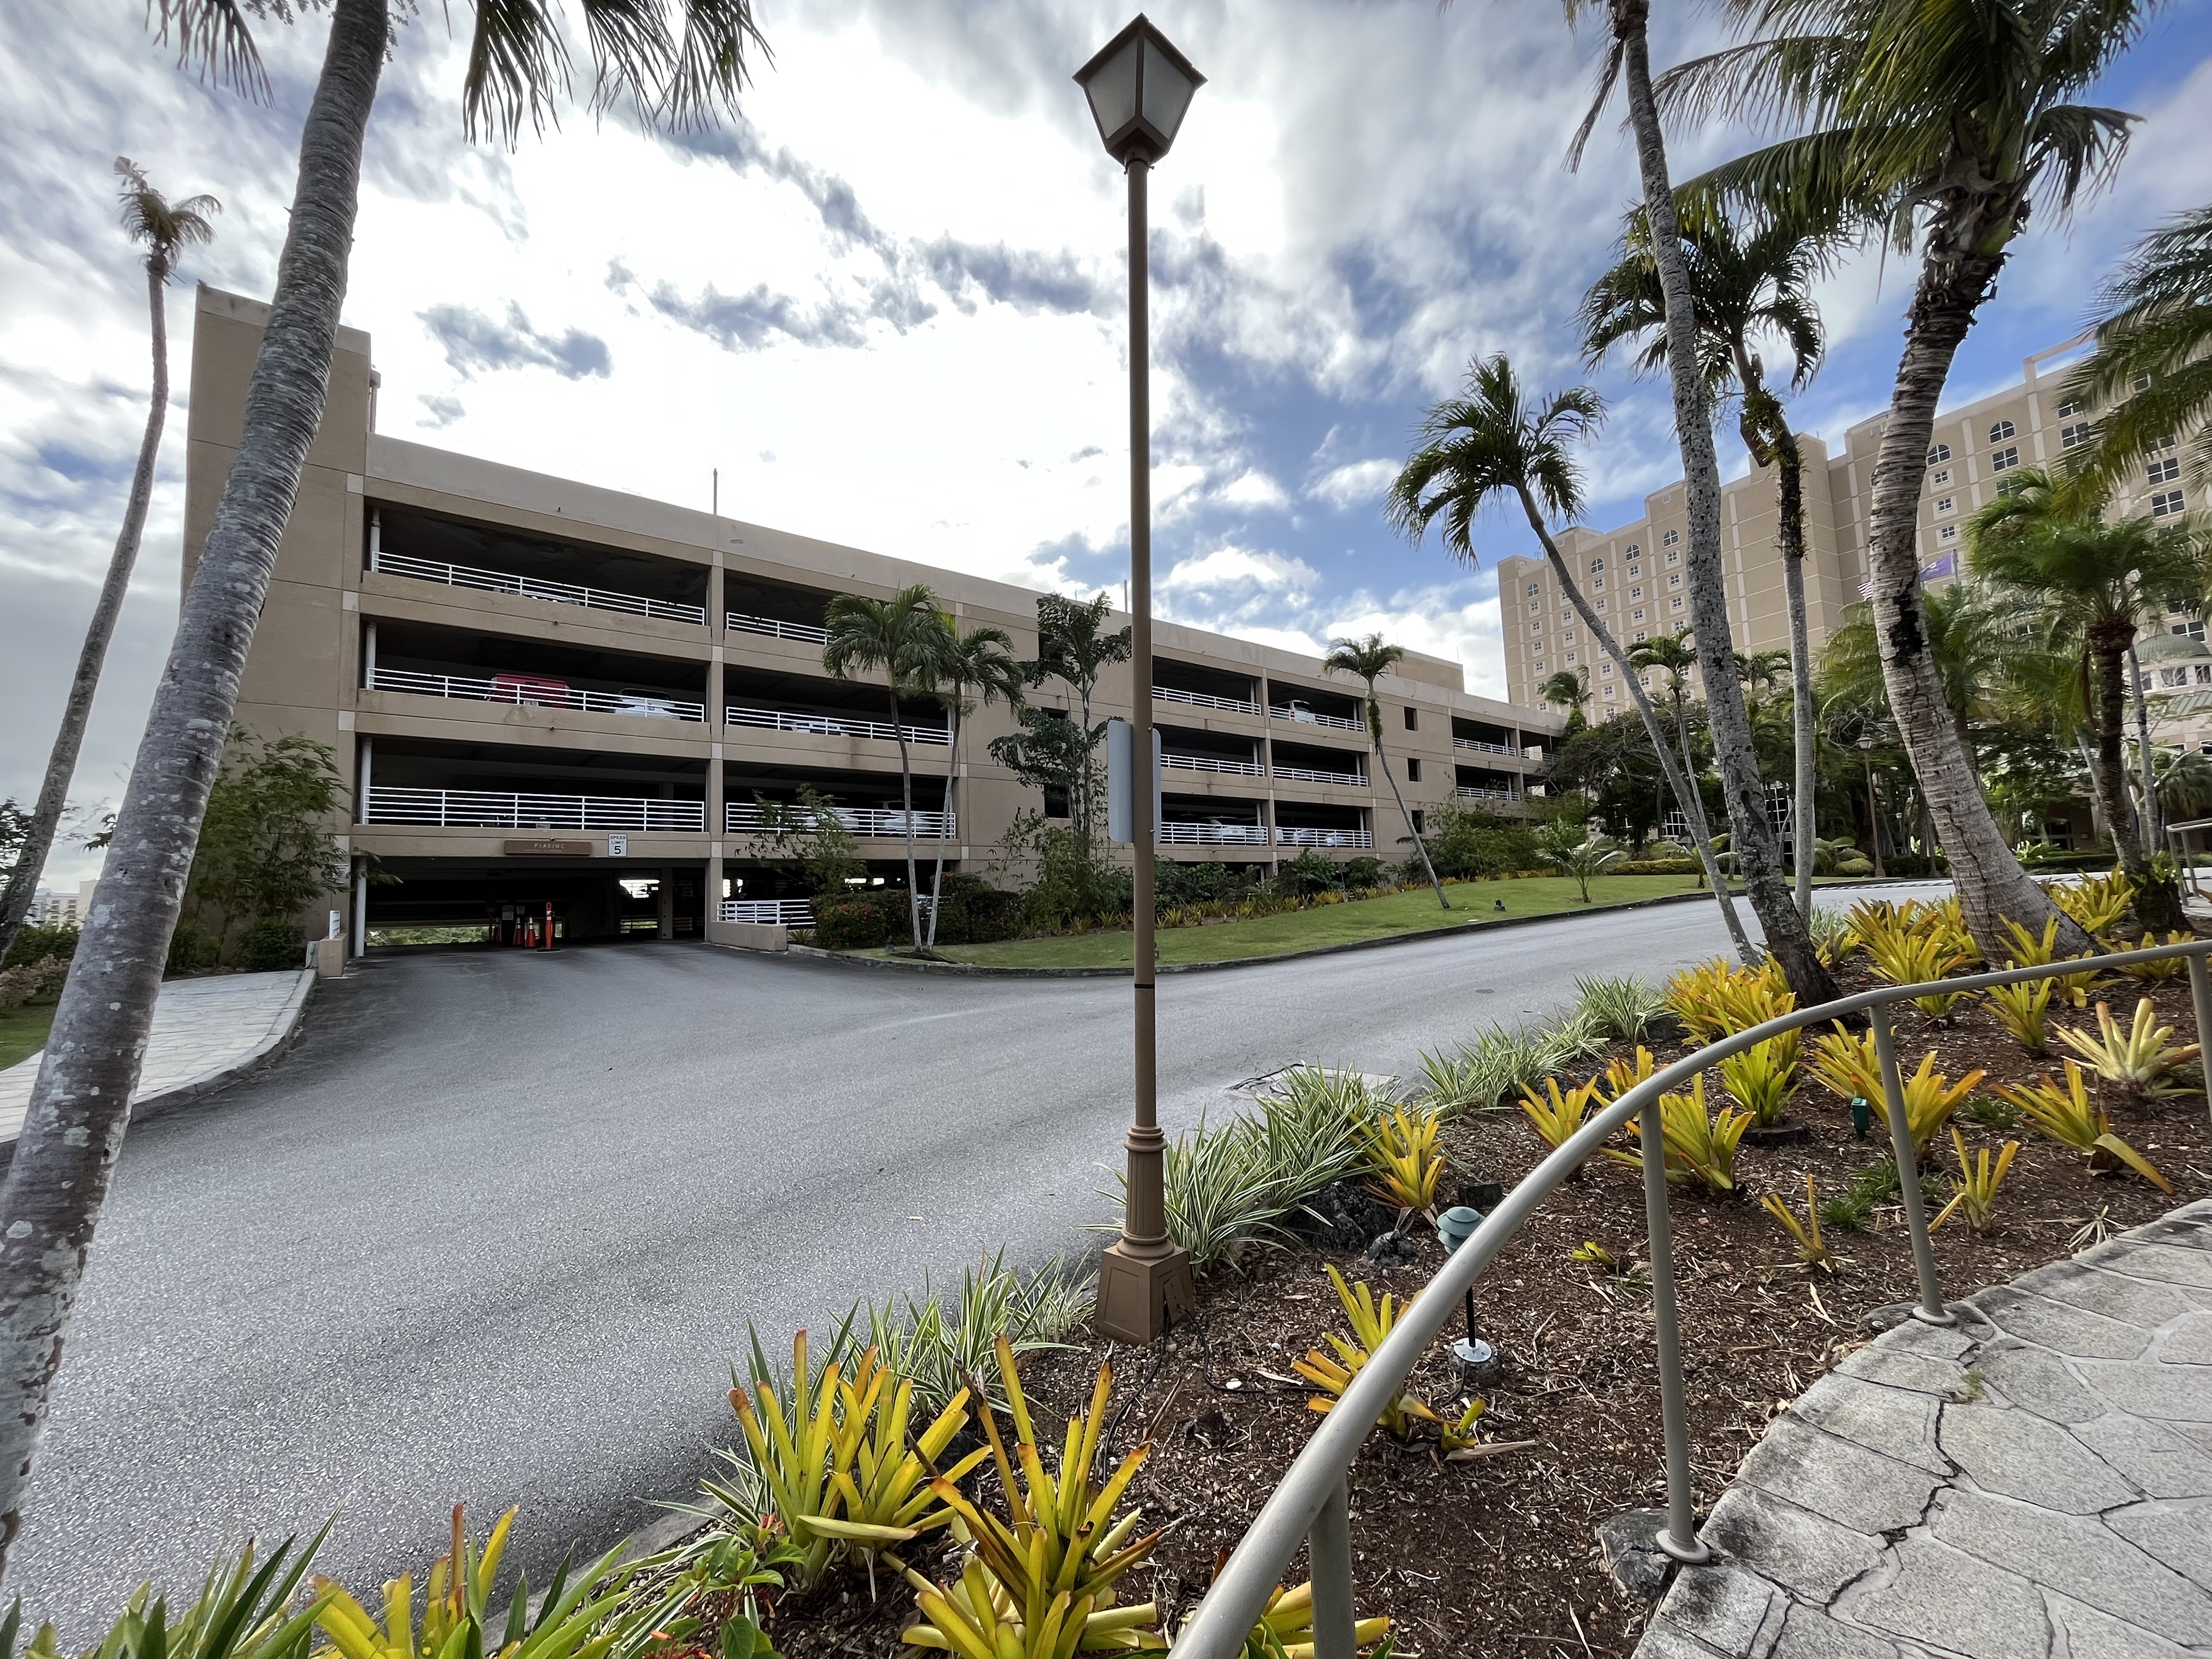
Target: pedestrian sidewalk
x=2034 y=1482
x=205 y=1032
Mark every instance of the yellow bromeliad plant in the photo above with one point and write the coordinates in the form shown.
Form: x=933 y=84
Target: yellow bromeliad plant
x=1556 y=1115
x=2099 y=903
x=1913 y=957
x=1039 y=1583
x=2138 y=1060
x=1370 y=1323
x=1974 y=1190
x=1717 y=998
x=595 y=1614
x=1285 y=1629
x=2068 y=1117
x=1701 y=1145
x=1403 y=1164
x=1844 y=1064
x=1930 y=1098
x=1812 y=1248
x=2028 y=949
x=1761 y=1078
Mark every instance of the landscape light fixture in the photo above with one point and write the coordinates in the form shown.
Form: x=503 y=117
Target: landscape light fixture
x=1476 y=1359
x=1139 y=88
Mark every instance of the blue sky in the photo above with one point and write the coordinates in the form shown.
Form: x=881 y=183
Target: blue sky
x=887 y=305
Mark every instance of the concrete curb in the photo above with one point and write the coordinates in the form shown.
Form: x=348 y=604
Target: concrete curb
x=267 y=1052
x=986 y=971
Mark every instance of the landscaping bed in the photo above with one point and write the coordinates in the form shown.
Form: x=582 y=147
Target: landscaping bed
x=1497 y=1556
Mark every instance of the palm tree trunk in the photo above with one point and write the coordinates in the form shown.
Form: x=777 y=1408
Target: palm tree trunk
x=2149 y=821
x=61 y=764
x=1735 y=754
x=906 y=797
x=1691 y=806
x=2111 y=768
x=80 y=1106
x=1992 y=888
x=1805 y=786
x=944 y=818
x=2099 y=823
x=1375 y=723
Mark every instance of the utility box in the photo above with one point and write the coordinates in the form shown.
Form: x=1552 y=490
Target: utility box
x=329 y=958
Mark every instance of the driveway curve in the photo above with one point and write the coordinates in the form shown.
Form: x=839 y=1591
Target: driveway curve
x=494 y=1229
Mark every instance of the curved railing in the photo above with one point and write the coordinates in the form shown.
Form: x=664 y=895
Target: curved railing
x=1311 y=1504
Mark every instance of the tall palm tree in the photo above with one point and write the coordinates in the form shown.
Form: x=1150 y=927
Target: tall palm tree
x=2044 y=537
x=1494 y=444
x=1937 y=124
x=1074 y=646
x=1370 y=660
x=903 y=639
x=1735 y=752
x=680 y=62
x=2156 y=327
x=1674 y=655
x=1743 y=288
x=981 y=660
x=1973 y=642
x=166 y=228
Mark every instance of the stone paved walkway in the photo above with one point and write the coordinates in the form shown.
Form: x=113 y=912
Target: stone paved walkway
x=2035 y=1483
x=204 y=1030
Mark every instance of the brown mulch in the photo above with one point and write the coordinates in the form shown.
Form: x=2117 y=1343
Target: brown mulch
x=1498 y=1556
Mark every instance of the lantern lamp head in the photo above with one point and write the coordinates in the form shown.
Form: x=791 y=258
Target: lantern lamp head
x=1456 y=1225
x=1138 y=86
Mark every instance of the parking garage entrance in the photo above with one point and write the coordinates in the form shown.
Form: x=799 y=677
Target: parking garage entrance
x=534 y=900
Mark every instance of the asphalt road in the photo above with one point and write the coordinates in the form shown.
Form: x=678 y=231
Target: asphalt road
x=494 y=1228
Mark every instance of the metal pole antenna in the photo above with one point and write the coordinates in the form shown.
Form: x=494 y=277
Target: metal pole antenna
x=1143 y=1282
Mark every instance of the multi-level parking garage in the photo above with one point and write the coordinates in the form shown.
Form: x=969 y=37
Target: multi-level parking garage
x=557 y=700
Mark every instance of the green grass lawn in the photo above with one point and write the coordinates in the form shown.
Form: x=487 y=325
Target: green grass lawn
x=23 y=1031
x=1409 y=912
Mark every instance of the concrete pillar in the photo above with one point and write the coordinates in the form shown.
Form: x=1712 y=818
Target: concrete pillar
x=368 y=657
x=365 y=749
x=361 y=912
x=666 y=901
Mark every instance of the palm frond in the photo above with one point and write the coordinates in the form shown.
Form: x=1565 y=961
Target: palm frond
x=214 y=39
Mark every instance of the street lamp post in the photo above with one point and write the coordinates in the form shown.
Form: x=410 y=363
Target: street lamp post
x=1138 y=86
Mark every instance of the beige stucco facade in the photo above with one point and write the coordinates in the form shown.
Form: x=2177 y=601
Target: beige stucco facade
x=542 y=689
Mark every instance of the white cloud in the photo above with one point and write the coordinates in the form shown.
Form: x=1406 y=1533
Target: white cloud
x=1255 y=489
x=1353 y=484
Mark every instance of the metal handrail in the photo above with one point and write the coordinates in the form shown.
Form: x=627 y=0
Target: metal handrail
x=738 y=622
x=1210 y=763
x=1175 y=833
x=1467 y=792
x=1311 y=1502
x=1301 y=836
x=1206 y=700
x=1314 y=775
x=832 y=726
x=533 y=693
x=531 y=587
x=781 y=912
x=1480 y=746
x=1308 y=717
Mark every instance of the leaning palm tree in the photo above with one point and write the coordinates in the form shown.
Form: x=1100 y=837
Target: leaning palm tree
x=1370 y=660
x=166 y=228
x=1936 y=125
x=905 y=639
x=680 y=62
x=1735 y=752
x=1492 y=445
x=2045 y=538
x=981 y=660
x=1743 y=288
x=2150 y=377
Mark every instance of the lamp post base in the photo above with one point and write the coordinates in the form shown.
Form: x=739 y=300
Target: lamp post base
x=1143 y=1291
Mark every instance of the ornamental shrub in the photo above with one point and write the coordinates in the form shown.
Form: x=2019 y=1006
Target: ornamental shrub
x=38 y=944
x=1467 y=841
x=271 y=944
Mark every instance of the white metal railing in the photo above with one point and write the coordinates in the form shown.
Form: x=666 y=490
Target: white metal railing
x=1205 y=700
x=861 y=820
x=530 y=587
x=489 y=809
x=533 y=692
x=1211 y=835
x=1313 y=775
x=781 y=912
x=835 y=725
x=739 y=623
x=1482 y=748
x=1465 y=793
x=1310 y=1505
x=1307 y=717
x=1207 y=763
x=1297 y=837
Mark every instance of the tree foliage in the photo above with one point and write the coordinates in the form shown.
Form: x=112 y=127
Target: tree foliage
x=266 y=849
